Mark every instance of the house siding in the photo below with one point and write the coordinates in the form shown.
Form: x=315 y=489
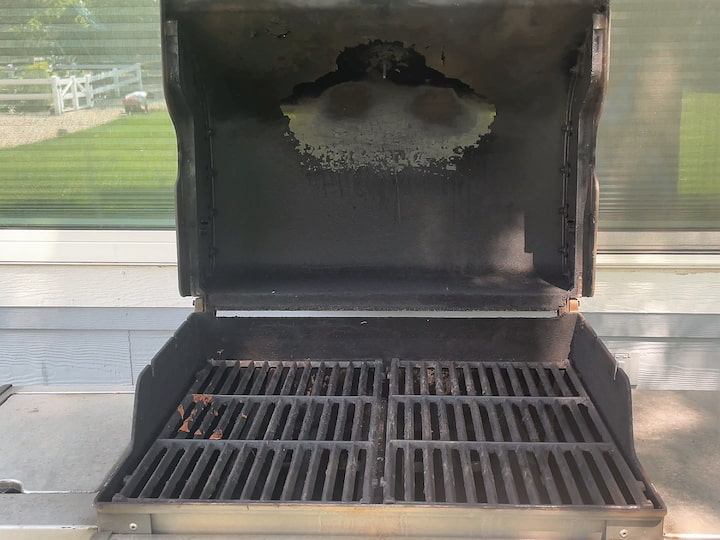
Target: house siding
x=64 y=324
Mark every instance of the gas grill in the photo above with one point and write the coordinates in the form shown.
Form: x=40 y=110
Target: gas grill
x=428 y=163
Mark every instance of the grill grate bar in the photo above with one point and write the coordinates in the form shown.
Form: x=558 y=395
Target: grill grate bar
x=216 y=475
x=585 y=476
x=331 y=472
x=258 y=381
x=635 y=487
x=559 y=446
x=469 y=383
x=579 y=388
x=467 y=473
x=498 y=380
x=560 y=381
x=272 y=426
x=158 y=473
x=409 y=470
x=447 y=476
x=287 y=385
x=485 y=388
x=272 y=477
x=252 y=480
x=488 y=477
x=351 y=470
x=510 y=419
x=567 y=478
x=507 y=476
x=195 y=475
x=311 y=476
x=528 y=480
x=233 y=477
x=293 y=473
x=324 y=424
x=243 y=384
x=304 y=379
x=173 y=482
x=230 y=379
x=316 y=380
x=429 y=475
x=274 y=386
x=529 y=381
x=545 y=382
x=515 y=382
x=307 y=423
x=143 y=470
x=212 y=380
x=607 y=476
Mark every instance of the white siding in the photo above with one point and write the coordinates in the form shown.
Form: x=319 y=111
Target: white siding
x=79 y=324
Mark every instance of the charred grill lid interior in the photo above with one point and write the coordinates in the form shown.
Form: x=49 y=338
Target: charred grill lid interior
x=340 y=154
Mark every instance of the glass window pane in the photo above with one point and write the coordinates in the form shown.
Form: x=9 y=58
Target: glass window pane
x=659 y=146
x=102 y=167
x=76 y=151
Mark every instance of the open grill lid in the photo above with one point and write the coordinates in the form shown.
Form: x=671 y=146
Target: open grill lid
x=344 y=154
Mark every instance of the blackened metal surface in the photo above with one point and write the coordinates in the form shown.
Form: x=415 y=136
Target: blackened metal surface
x=458 y=432
x=262 y=220
x=517 y=433
x=164 y=384
x=269 y=431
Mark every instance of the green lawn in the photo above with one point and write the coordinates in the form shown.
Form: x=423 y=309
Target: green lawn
x=700 y=145
x=120 y=174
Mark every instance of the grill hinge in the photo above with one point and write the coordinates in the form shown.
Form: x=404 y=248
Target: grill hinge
x=571 y=306
x=202 y=305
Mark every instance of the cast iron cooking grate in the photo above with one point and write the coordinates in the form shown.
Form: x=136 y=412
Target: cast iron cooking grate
x=498 y=433
x=269 y=431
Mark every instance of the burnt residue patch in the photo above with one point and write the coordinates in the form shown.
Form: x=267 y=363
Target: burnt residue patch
x=384 y=108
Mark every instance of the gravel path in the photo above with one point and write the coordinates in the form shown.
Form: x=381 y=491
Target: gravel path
x=19 y=129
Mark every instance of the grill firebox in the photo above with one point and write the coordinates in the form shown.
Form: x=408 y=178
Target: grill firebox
x=497 y=433
x=404 y=431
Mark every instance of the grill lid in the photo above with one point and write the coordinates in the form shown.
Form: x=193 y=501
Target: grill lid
x=341 y=154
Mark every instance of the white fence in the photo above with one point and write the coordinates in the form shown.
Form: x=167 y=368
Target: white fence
x=76 y=92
